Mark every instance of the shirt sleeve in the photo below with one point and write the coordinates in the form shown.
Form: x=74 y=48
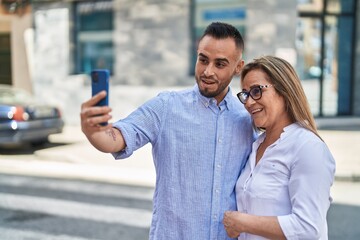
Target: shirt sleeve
x=312 y=175
x=143 y=125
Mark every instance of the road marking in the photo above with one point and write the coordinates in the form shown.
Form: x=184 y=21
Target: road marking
x=126 y=216
x=78 y=187
x=11 y=234
x=93 y=172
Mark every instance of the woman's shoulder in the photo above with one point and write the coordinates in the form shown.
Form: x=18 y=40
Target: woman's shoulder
x=301 y=134
x=299 y=139
x=308 y=144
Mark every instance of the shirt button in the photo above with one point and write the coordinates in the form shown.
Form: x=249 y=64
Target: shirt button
x=220 y=140
x=217 y=191
x=219 y=166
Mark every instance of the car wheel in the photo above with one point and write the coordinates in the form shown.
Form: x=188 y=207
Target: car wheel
x=40 y=142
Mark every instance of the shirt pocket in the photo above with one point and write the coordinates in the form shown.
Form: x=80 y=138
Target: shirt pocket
x=272 y=181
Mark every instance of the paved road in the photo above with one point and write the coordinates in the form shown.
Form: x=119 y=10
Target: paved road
x=344 y=213
x=48 y=208
x=59 y=209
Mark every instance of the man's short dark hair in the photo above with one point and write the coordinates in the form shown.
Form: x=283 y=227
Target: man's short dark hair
x=220 y=30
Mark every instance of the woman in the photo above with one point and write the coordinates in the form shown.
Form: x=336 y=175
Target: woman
x=284 y=190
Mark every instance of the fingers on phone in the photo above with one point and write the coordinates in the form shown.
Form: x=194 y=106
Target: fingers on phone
x=95 y=99
x=98 y=120
x=101 y=94
x=102 y=119
x=104 y=127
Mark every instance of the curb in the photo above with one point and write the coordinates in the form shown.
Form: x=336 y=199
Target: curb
x=338 y=123
x=347 y=178
x=88 y=172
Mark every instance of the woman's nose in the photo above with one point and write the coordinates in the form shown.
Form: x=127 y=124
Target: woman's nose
x=249 y=101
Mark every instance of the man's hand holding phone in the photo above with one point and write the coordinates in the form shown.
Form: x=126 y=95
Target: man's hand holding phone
x=103 y=137
x=95 y=114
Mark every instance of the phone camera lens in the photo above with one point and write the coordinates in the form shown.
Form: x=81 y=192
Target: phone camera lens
x=95 y=77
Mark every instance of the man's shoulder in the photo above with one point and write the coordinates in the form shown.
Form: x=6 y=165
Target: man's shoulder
x=237 y=107
x=186 y=93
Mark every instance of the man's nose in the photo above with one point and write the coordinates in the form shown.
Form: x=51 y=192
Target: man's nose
x=209 y=71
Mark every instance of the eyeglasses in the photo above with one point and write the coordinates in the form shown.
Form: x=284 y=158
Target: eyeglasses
x=255 y=93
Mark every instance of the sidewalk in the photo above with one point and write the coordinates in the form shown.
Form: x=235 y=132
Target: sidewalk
x=76 y=158
x=342 y=135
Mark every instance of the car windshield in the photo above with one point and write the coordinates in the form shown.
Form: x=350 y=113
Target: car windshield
x=14 y=96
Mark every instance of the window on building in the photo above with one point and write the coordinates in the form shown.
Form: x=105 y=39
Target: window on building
x=94 y=36
x=325 y=34
x=5 y=59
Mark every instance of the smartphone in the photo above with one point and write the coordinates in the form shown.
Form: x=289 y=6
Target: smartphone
x=99 y=82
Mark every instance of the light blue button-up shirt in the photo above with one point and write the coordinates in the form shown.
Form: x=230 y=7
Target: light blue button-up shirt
x=199 y=148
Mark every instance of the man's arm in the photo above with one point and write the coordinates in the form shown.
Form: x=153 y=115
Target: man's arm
x=104 y=138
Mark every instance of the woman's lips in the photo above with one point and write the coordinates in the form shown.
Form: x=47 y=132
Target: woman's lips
x=257 y=110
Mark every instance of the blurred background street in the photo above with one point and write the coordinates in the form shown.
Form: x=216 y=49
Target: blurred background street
x=60 y=187
x=66 y=189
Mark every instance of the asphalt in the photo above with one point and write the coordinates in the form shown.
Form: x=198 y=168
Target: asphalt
x=72 y=156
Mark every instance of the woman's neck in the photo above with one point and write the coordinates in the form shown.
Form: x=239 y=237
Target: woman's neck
x=273 y=133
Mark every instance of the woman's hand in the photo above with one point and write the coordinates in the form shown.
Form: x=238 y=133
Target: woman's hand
x=232 y=223
x=266 y=226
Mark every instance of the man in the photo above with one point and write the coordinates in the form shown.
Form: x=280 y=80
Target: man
x=201 y=138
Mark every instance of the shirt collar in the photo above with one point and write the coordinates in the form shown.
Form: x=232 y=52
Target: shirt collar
x=286 y=132
x=289 y=129
x=208 y=101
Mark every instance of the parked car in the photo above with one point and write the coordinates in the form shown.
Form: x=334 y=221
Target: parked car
x=23 y=120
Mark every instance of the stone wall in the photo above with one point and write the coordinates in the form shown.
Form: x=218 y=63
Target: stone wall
x=52 y=59
x=152 y=40
x=271 y=28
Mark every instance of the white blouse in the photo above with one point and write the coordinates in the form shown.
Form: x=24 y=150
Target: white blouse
x=292 y=181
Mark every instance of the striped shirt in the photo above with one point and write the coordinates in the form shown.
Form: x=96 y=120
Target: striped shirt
x=199 y=149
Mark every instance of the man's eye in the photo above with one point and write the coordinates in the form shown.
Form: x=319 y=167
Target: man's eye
x=202 y=60
x=220 y=65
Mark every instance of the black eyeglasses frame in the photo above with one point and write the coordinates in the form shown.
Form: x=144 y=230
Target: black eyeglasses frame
x=248 y=93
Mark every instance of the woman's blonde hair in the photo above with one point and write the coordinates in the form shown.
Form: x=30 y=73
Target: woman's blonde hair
x=287 y=83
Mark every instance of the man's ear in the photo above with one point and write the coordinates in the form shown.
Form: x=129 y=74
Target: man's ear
x=239 y=67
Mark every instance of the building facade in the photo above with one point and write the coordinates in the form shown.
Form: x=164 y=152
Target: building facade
x=153 y=43
x=14 y=43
